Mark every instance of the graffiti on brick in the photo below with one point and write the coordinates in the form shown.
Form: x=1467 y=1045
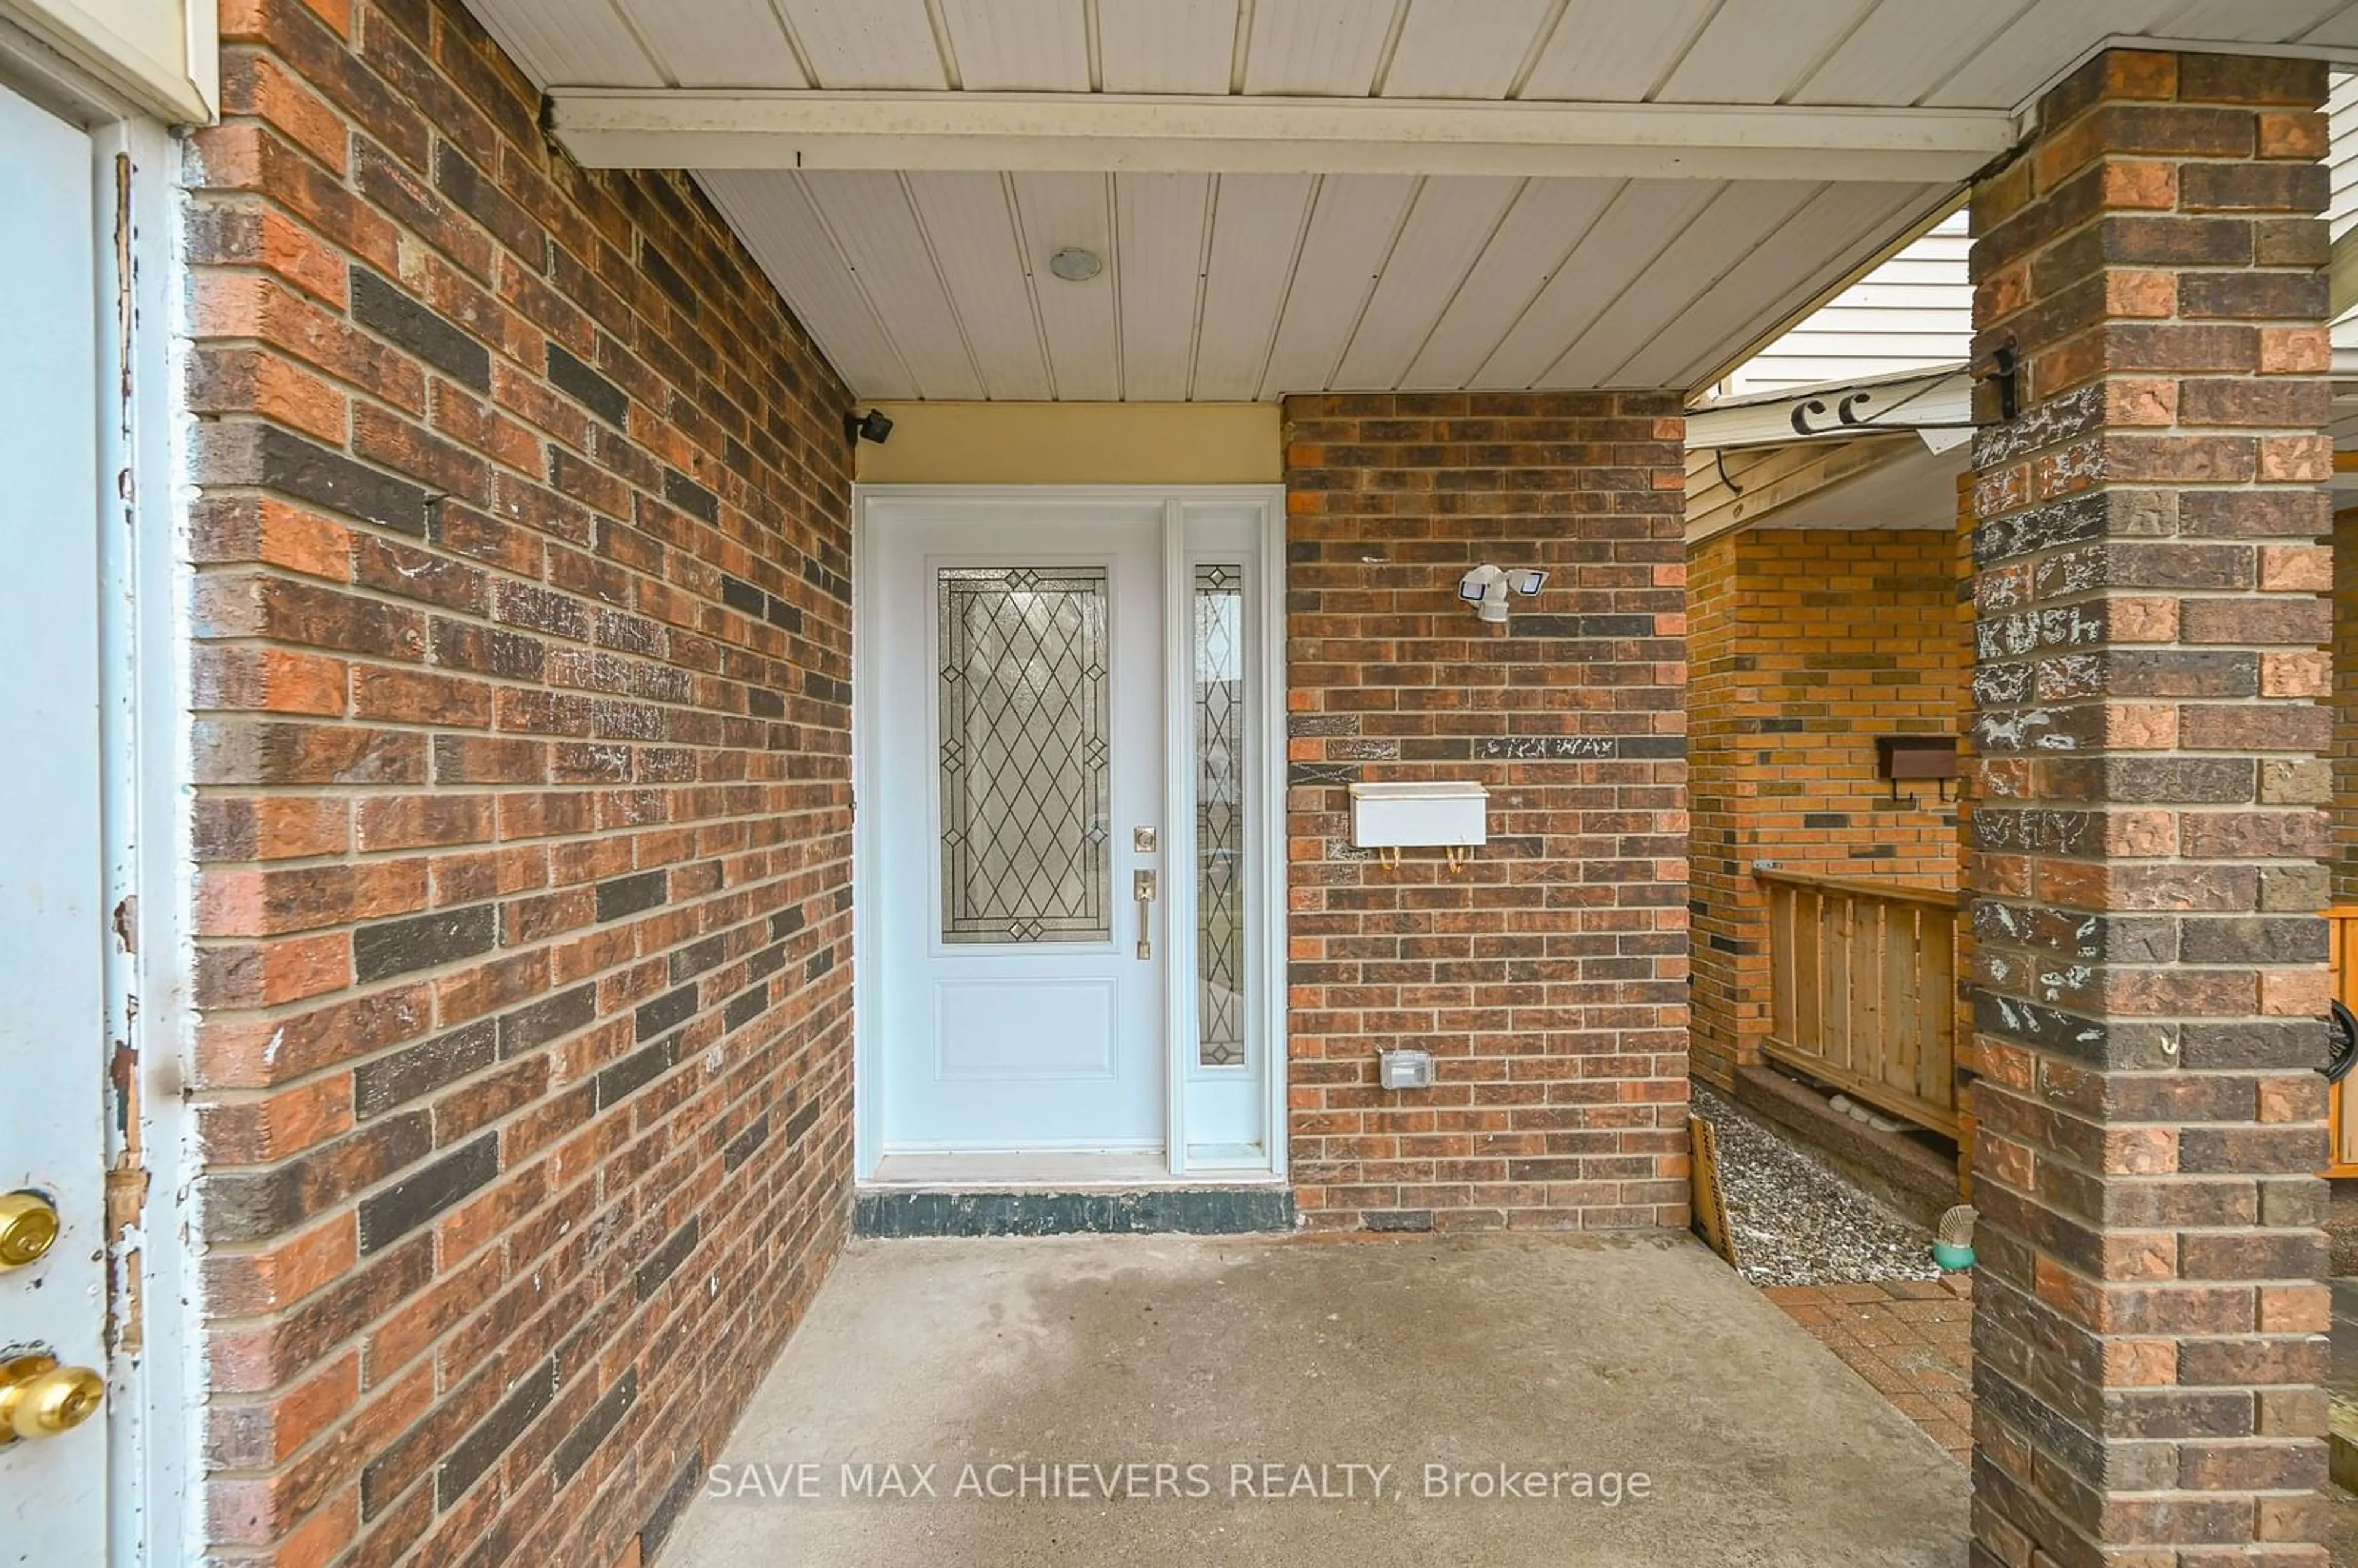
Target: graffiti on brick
x=591 y=760
x=2066 y=933
x=1545 y=748
x=2069 y=522
x=2054 y=984
x=1999 y=783
x=2003 y=686
x=2066 y=418
x=2029 y=728
x=2081 y=570
x=2073 y=675
x=2059 y=626
x=2089 y=932
x=2001 y=588
x=2001 y=489
x=1993 y=920
x=2034 y=1024
x=2067 y=470
x=2046 y=831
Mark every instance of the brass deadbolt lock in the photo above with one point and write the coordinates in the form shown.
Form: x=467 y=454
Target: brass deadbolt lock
x=28 y=1229
x=40 y=1399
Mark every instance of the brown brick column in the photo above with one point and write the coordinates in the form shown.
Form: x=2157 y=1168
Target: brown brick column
x=2147 y=828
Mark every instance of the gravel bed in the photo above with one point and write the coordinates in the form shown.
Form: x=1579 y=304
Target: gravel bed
x=1798 y=1221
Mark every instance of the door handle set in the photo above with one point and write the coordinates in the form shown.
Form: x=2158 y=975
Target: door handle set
x=28 y=1229
x=38 y=1397
x=1141 y=887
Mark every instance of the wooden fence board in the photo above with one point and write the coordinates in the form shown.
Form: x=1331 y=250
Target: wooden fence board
x=1863 y=982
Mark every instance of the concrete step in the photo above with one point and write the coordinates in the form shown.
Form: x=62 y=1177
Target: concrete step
x=1201 y=1211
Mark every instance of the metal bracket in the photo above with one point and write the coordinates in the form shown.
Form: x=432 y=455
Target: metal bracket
x=2003 y=369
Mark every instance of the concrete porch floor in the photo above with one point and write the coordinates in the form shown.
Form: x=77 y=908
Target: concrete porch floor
x=1554 y=1354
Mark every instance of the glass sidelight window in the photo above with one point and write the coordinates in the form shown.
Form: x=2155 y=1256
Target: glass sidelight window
x=1024 y=754
x=1219 y=779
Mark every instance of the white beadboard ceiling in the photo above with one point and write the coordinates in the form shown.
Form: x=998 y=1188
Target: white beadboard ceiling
x=1219 y=285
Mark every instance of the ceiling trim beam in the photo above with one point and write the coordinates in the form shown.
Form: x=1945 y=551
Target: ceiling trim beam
x=686 y=128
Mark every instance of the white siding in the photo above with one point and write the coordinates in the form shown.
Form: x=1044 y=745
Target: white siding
x=2341 y=208
x=1914 y=311
x=2342 y=109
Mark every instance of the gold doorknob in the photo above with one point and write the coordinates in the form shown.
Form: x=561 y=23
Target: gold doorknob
x=40 y=1399
x=28 y=1227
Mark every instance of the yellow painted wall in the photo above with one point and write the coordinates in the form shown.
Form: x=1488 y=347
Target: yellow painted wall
x=1076 y=443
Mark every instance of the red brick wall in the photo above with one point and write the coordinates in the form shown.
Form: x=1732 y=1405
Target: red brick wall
x=1809 y=644
x=1724 y=903
x=1549 y=977
x=523 y=827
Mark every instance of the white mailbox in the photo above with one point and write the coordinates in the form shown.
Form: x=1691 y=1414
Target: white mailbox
x=1452 y=814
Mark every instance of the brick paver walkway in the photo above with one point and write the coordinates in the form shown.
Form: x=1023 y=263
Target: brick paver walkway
x=1912 y=1339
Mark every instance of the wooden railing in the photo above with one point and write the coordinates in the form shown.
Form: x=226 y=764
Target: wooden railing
x=1862 y=990
x=1863 y=995
x=2341 y=934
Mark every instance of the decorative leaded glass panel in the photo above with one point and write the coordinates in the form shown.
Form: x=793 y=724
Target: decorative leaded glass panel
x=1024 y=740
x=1219 y=725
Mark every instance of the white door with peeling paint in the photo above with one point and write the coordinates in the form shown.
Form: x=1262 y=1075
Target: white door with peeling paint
x=53 y=869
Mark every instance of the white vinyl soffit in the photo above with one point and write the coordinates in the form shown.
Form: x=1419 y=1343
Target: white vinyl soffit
x=1306 y=195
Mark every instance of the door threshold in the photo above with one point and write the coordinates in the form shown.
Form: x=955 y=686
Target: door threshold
x=1060 y=1195
x=1049 y=1171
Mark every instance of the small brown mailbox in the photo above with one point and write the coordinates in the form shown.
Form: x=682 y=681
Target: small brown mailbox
x=1917 y=758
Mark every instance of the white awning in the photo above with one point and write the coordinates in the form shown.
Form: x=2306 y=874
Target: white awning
x=1937 y=406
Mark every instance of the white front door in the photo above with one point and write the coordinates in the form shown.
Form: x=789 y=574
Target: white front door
x=1019 y=756
x=53 y=919
x=1068 y=728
